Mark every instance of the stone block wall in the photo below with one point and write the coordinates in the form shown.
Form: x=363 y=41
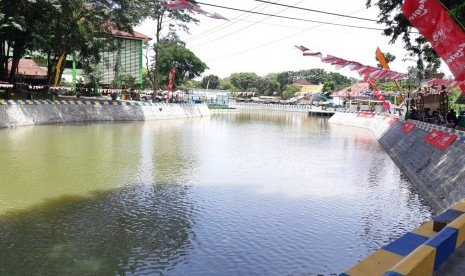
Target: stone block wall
x=438 y=175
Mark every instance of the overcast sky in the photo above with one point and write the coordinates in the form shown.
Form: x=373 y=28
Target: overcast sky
x=265 y=44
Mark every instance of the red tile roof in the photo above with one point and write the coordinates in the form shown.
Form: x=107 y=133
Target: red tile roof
x=28 y=67
x=302 y=82
x=135 y=35
x=356 y=90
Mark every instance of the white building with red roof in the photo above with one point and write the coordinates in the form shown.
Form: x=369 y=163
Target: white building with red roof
x=355 y=92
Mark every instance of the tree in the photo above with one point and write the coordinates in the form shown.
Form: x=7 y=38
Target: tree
x=283 y=79
x=290 y=90
x=177 y=19
x=267 y=85
x=210 y=82
x=188 y=65
x=60 y=27
x=18 y=28
x=244 y=81
x=397 y=26
x=328 y=88
x=225 y=84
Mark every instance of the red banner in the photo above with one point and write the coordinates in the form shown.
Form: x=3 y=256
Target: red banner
x=408 y=127
x=444 y=141
x=433 y=135
x=445 y=36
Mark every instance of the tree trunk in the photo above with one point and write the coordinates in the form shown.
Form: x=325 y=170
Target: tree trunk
x=156 y=70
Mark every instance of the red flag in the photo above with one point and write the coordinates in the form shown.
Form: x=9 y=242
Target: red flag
x=445 y=36
x=170 y=84
x=317 y=54
x=302 y=48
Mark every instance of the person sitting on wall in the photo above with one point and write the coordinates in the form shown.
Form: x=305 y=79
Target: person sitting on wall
x=413 y=114
x=451 y=117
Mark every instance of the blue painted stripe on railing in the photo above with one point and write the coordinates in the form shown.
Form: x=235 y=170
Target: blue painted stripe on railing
x=448 y=216
x=444 y=242
x=393 y=273
x=405 y=244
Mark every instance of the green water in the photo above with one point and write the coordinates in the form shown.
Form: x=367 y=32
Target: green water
x=252 y=193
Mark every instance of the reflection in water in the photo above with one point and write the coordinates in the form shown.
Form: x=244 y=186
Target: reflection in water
x=127 y=231
x=250 y=193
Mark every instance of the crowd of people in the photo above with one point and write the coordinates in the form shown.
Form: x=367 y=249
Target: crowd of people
x=436 y=117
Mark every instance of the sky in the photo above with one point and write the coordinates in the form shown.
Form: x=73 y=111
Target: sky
x=264 y=44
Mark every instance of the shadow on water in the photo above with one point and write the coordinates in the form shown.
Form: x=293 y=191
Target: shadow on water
x=142 y=229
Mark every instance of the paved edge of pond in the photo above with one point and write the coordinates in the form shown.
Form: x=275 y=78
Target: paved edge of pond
x=23 y=113
x=438 y=175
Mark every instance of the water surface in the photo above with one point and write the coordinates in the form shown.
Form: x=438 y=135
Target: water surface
x=253 y=193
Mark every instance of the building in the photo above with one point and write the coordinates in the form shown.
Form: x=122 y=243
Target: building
x=356 y=92
x=210 y=96
x=28 y=71
x=127 y=59
x=307 y=91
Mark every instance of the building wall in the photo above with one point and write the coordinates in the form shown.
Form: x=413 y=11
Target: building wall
x=126 y=60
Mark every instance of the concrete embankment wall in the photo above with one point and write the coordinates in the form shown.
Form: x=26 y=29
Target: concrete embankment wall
x=270 y=107
x=438 y=175
x=45 y=112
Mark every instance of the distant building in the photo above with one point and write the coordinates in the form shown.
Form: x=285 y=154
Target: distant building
x=357 y=91
x=210 y=95
x=304 y=96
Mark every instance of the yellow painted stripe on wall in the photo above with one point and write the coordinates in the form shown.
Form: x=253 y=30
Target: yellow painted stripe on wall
x=425 y=230
x=459 y=206
x=459 y=223
x=375 y=264
x=420 y=262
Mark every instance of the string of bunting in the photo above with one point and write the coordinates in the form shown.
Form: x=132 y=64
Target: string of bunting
x=452 y=83
x=184 y=4
x=377 y=93
x=362 y=70
x=6 y=85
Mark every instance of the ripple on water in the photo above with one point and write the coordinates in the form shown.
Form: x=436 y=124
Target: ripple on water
x=220 y=199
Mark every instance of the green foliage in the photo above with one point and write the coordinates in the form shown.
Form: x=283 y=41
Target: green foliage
x=290 y=90
x=456 y=93
x=267 y=85
x=128 y=81
x=284 y=79
x=387 y=86
x=56 y=27
x=210 y=82
x=329 y=86
x=177 y=21
x=244 y=81
x=225 y=84
x=188 y=65
x=278 y=83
